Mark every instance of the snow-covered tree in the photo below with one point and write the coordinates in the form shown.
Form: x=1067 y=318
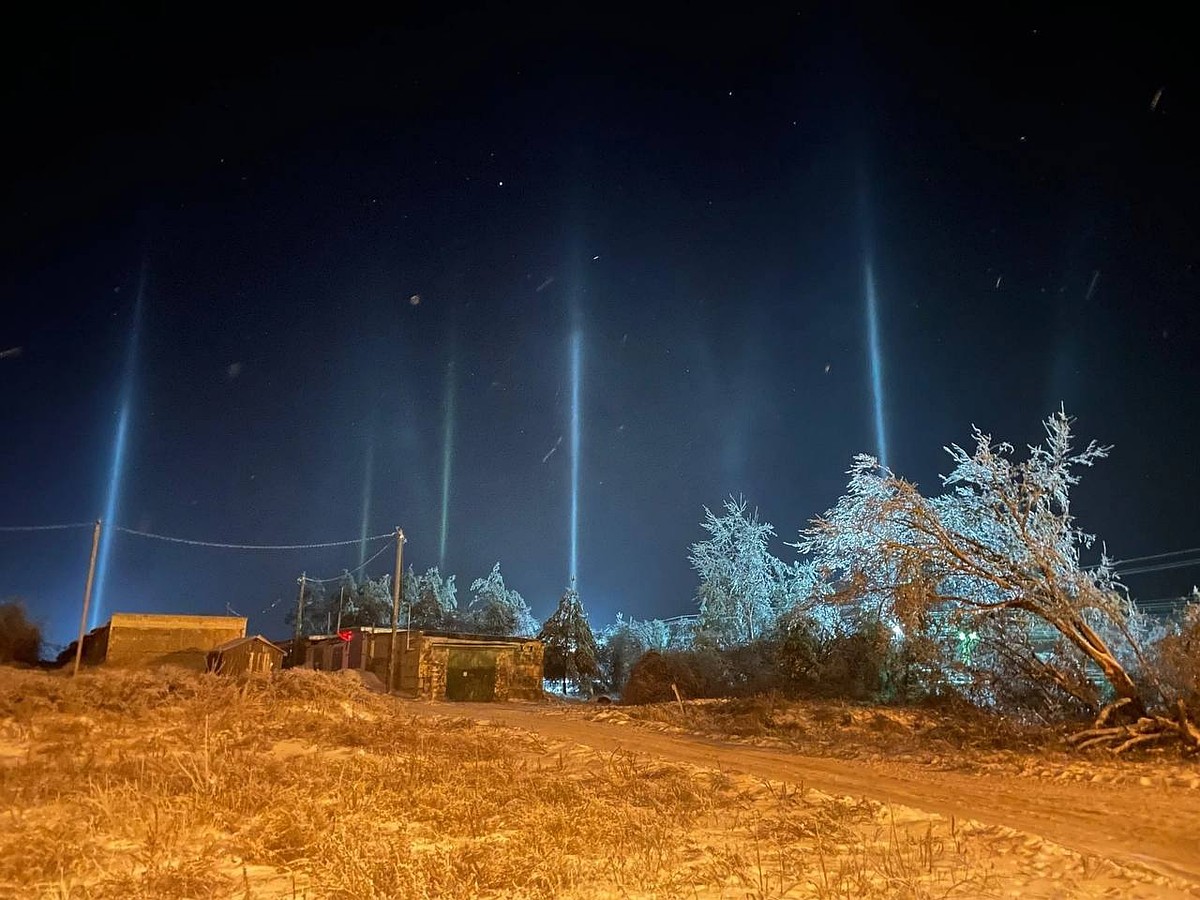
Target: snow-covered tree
x=741 y=584
x=1178 y=656
x=495 y=609
x=652 y=634
x=315 y=619
x=571 y=652
x=997 y=553
x=431 y=599
x=624 y=642
x=366 y=601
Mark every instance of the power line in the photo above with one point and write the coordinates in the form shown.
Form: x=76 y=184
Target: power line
x=353 y=571
x=227 y=546
x=1134 y=559
x=1161 y=567
x=12 y=528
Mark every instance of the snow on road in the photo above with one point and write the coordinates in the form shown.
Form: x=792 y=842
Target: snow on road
x=1142 y=827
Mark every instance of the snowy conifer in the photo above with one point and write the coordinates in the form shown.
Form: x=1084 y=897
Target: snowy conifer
x=571 y=652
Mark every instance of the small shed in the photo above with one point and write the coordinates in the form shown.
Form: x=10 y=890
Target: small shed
x=247 y=655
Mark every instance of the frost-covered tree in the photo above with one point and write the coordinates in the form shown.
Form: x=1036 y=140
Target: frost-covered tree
x=367 y=601
x=997 y=552
x=431 y=599
x=624 y=642
x=571 y=653
x=741 y=583
x=619 y=647
x=652 y=634
x=495 y=609
x=1178 y=656
x=315 y=619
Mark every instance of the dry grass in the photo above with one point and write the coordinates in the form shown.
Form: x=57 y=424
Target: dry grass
x=958 y=738
x=846 y=729
x=172 y=785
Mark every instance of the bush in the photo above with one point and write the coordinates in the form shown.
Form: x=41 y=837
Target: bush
x=20 y=639
x=1178 y=660
x=861 y=663
x=694 y=672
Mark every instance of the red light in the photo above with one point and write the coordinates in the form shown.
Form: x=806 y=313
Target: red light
x=346 y=635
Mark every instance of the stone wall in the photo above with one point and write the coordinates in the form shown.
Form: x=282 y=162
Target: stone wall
x=518 y=666
x=524 y=681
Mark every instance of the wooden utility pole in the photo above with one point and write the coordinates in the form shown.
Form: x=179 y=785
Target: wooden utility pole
x=400 y=539
x=87 y=596
x=298 y=634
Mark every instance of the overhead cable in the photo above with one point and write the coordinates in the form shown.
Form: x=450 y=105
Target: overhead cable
x=1160 y=567
x=1135 y=559
x=229 y=546
x=378 y=553
x=10 y=528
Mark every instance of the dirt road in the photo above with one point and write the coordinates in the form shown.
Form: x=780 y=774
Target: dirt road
x=1134 y=824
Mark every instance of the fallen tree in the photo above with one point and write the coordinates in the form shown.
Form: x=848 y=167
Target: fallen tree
x=997 y=553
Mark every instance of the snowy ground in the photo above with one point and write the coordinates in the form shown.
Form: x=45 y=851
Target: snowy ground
x=145 y=785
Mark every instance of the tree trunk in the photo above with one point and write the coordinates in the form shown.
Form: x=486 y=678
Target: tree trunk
x=1093 y=647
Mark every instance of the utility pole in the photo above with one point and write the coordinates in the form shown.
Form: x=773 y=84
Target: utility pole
x=400 y=539
x=87 y=596
x=338 y=631
x=298 y=635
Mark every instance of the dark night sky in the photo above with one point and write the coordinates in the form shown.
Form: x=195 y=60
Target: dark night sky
x=288 y=184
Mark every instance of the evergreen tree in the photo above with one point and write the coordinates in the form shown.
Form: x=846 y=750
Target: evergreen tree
x=571 y=653
x=495 y=609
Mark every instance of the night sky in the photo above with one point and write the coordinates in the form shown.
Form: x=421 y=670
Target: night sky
x=697 y=195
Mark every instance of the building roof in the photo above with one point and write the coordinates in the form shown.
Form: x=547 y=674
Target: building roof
x=237 y=642
x=481 y=638
x=170 y=620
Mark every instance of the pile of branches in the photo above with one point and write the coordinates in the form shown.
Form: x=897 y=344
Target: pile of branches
x=1145 y=729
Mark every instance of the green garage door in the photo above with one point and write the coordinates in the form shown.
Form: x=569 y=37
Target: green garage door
x=471 y=675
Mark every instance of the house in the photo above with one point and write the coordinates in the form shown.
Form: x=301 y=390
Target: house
x=145 y=639
x=247 y=655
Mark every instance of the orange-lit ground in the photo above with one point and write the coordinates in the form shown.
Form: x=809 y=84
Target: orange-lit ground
x=162 y=785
